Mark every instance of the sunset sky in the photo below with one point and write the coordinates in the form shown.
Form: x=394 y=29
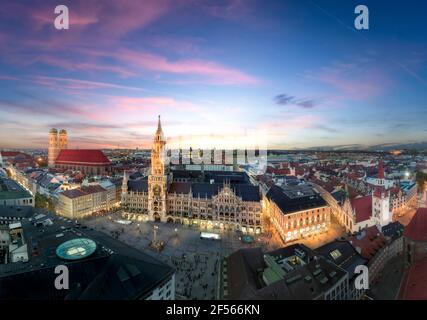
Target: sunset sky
x=295 y=74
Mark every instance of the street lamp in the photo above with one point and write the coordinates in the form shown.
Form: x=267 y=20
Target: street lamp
x=155 y=234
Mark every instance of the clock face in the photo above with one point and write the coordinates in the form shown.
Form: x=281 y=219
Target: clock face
x=156 y=190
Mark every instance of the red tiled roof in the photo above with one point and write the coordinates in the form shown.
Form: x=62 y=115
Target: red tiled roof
x=417 y=228
x=82 y=157
x=10 y=153
x=370 y=243
x=394 y=190
x=379 y=192
x=415 y=287
x=75 y=193
x=363 y=208
x=283 y=171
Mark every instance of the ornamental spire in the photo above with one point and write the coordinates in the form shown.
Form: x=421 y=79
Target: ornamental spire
x=381 y=174
x=159 y=125
x=159 y=133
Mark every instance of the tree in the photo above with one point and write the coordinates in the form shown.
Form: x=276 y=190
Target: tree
x=43 y=202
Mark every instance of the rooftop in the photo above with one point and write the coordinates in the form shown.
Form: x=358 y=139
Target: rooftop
x=16 y=212
x=393 y=230
x=343 y=254
x=417 y=228
x=369 y=240
x=363 y=208
x=84 y=157
x=10 y=189
x=292 y=272
x=76 y=249
x=114 y=270
x=82 y=191
x=295 y=198
x=204 y=186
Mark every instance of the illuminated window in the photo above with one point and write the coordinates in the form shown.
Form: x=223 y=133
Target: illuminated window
x=335 y=254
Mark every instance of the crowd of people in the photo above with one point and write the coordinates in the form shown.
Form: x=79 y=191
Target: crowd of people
x=196 y=275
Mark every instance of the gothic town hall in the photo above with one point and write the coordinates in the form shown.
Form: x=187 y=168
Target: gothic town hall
x=209 y=199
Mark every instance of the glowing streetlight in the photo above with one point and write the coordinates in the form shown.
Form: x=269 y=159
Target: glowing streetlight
x=155 y=234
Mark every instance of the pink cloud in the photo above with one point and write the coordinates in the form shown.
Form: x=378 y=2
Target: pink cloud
x=215 y=72
x=90 y=21
x=79 y=16
x=88 y=66
x=76 y=84
x=114 y=17
x=8 y=78
x=95 y=19
x=151 y=104
x=355 y=80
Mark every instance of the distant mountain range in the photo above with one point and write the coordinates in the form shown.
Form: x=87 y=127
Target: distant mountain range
x=420 y=146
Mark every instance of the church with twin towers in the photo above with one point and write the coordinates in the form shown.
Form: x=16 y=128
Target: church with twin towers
x=57 y=142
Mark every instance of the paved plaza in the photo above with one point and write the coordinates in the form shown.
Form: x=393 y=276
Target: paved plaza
x=196 y=260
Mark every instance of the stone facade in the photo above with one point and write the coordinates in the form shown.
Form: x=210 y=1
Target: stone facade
x=217 y=202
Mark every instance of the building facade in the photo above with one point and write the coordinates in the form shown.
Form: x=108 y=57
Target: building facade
x=223 y=200
x=297 y=212
x=82 y=202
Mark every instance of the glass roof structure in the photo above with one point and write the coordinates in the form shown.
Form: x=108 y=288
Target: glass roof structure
x=76 y=249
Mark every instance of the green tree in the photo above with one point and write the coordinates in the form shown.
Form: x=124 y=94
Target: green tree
x=43 y=202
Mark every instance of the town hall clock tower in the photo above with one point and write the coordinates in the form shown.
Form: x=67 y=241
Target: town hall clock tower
x=159 y=178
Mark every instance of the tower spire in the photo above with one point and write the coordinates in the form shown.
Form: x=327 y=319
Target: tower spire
x=381 y=173
x=159 y=133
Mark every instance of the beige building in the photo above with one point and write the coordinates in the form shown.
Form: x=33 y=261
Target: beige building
x=82 y=202
x=297 y=212
x=57 y=142
x=210 y=199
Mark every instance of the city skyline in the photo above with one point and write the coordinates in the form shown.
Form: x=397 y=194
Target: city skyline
x=295 y=71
